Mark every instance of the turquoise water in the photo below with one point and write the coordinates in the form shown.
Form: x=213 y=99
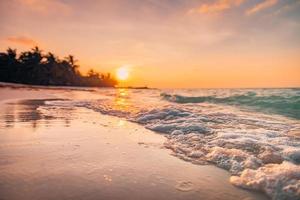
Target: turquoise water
x=252 y=133
x=284 y=102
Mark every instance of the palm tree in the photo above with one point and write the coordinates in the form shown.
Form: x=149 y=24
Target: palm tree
x=33 y=67
x=36 y=50
x=72 y=61
x=91 y=73
x=37 y=55
x=11 y=54
x=51 y=58
x=33 y=57
x=8 y=64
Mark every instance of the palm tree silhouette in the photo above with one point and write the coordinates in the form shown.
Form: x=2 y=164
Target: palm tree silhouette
x=33 y=67
x=71 y=60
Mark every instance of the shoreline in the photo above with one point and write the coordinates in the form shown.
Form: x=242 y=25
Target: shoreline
x=50 y=87
x=92 y=156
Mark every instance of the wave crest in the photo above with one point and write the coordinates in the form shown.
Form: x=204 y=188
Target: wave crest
x=284 y=105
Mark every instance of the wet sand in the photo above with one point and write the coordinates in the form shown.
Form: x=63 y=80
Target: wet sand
x=57 y=153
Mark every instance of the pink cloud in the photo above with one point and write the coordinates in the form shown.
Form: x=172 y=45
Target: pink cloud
x=21 y=40
x=261 y=6
x=217 y=6
x=46 y=6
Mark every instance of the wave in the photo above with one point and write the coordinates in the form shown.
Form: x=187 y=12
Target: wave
x=277 y=104
x=256 y=149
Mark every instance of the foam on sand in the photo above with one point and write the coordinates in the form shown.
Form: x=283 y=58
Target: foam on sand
x=279 y=181
x=241 y=141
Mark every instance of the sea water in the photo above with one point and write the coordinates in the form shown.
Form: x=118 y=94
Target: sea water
x=252 y=133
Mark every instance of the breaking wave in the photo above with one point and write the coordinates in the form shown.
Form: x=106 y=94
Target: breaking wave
x=259 y=150
x=284 y=105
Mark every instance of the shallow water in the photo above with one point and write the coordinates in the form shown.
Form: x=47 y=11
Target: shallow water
x=245 y=131
x=63 y=152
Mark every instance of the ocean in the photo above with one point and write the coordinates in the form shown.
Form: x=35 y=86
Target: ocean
x=252 y=133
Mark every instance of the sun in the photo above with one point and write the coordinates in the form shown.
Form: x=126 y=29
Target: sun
x=122 y=73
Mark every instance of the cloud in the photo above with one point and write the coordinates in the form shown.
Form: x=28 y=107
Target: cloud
x=261 y=6
x=46 y=6
x=21 y=40
x=288 y=7
x=217 y=6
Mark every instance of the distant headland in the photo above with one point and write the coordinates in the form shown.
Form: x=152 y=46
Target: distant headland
x=135 y=87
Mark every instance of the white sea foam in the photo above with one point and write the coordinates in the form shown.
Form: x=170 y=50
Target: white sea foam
x=256 y=148
x=279 y=181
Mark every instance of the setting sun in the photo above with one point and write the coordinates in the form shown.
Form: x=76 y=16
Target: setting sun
x=108 y=99
x=122 y=73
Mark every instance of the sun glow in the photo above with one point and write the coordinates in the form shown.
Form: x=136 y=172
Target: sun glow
x=122 y=73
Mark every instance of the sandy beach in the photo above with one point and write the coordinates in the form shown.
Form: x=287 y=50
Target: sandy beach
x=150 y=100
x=52 y=152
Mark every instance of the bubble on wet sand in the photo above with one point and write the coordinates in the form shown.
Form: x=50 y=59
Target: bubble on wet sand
x=184 y=186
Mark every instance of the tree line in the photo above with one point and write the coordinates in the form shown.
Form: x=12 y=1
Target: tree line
x=36 y=68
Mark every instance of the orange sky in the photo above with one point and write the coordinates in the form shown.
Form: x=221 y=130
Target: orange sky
x=166 y=43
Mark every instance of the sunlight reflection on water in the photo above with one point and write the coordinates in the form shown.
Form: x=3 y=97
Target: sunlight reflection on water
x=27 y=112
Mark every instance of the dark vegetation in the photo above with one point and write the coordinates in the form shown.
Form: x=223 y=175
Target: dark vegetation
x=35 y=68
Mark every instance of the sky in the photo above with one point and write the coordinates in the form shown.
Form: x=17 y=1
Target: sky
x=165 y=43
